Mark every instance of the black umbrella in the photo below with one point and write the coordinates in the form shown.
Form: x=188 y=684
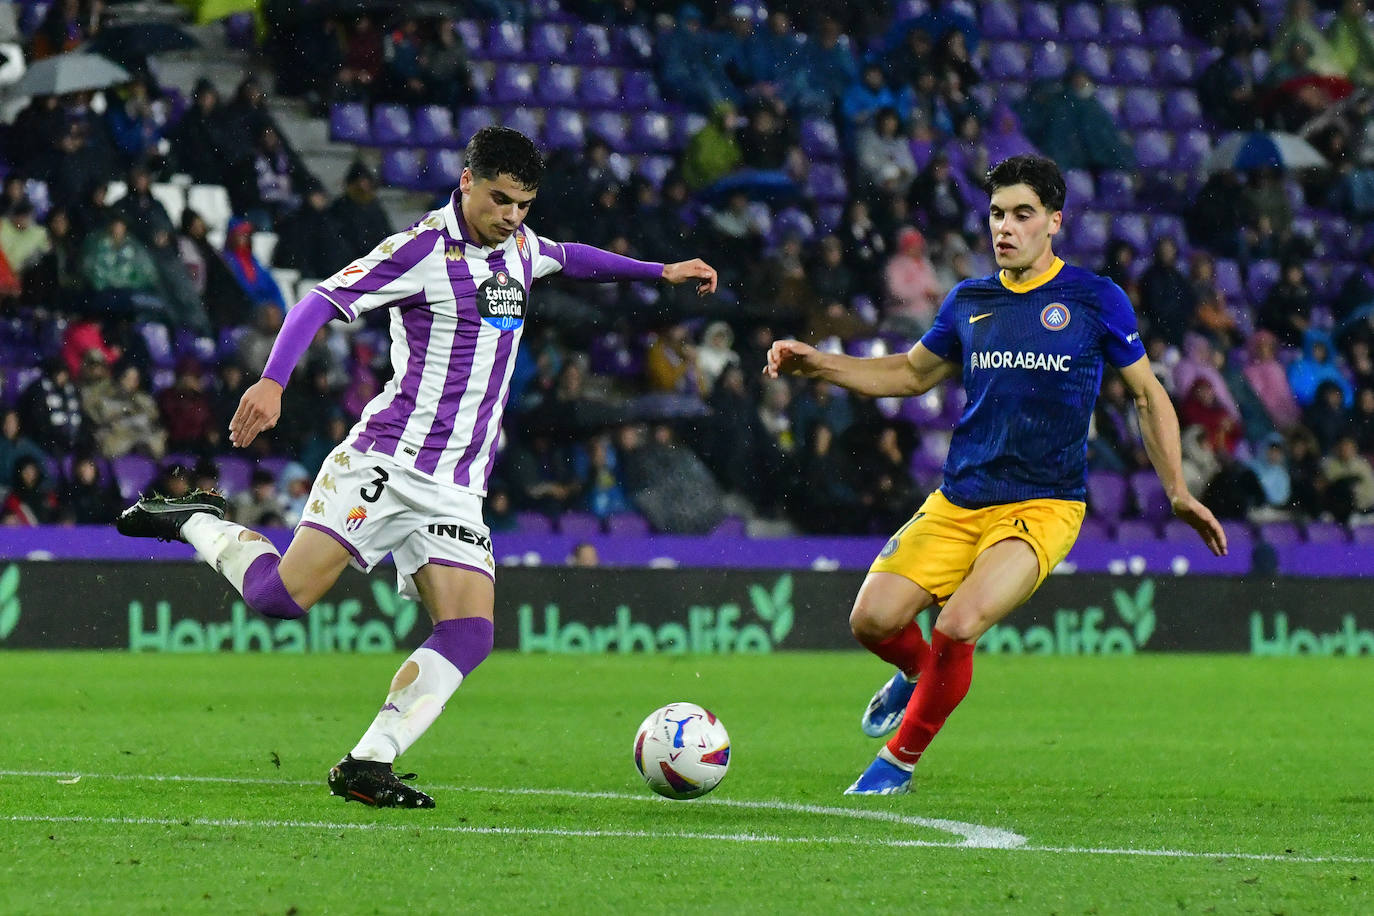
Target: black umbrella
x=142 y=39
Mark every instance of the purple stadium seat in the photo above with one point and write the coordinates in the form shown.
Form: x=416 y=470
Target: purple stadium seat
x=1150 y=499
x=557 y=85
x=1121 y=24
x=654 y=169
x=1141 y=108
x=792 y=222
x=1263 y=274
x=1094 y=61
x=609 y=126
x=1079 y=185
x=533 y=523
x=1326 y=533
x=636 y=45
x=187 y=343
x=825 y=183
x=829 y=217
x=1135 y=531
x=133 y=473
x=470 y=33
x=470 y=121
x=443 y=168
x=235 y=473
x=1163 y=25
x=1106 y=495
x=1116 y=191
x=1007 y=60
x=1110 y=99
x=1174 y=65
x=505 y=41
x=1362 y=534
x=548 y=43
x=1088 y=234
x=1280 y=534
x=650 y=132
x=922 y=410
x=512 y=84
x=1040 y=22
x=629 y=524
x=1131 y=66
x=1082 y=22
x=391 y=125
x=563 y=129
x=1181 y=110
x=591 y=44
x=401 y=168
x=600 y=87
x=1048 y=61
x=999 y=20
x=732 y=526
x=1132 y=228
x=1166 y=225
x=159 y=344
x=1179 y=531
x=639 y=92
x=579 y=524
x=819 y=139
x=1152 y=149
x=1192 y=148
x=685 y=126
x=433 y=127
x=1094 y=529
x=348 y=123
x=525 y=120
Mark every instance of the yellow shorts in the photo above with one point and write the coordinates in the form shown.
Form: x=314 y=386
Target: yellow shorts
x=937 y=547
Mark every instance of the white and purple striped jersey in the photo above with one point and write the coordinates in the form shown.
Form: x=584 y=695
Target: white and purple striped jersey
x=458 y=311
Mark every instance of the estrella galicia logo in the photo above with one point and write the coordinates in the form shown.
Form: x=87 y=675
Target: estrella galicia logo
x=1055 y=316
x=501 y=301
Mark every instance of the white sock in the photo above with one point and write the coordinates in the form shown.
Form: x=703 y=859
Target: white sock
x=218 y=544
x=409 y=711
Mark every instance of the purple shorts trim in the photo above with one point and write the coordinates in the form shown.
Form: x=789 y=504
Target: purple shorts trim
x=454 y=563
x=340 y=538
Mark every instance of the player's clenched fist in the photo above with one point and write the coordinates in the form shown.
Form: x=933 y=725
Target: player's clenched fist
x=259 y=409
x=792 y=357
x=695 y=269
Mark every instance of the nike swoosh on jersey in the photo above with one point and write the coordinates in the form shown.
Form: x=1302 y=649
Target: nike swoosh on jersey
x=973 y=319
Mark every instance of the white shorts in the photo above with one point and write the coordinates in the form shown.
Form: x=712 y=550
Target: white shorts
x=374 y=506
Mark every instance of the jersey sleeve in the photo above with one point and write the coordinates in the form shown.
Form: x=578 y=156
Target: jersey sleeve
x=1120 y=332
x=387 y=275
x=549 y=257
x=943 y=337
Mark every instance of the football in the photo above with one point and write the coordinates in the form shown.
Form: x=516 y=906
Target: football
x=682 y=751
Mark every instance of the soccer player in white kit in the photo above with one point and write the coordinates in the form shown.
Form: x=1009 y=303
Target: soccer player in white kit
x=410 y=476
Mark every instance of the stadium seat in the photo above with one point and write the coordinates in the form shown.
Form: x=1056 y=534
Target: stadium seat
x=1106 y=495
x=1191 y=149
x=1173 y=65
x=557 y=85
x=548 y=43
x=627 y=524
x=579 y=524
x=1094 y=529
x=1110 y=99
x=471 y=120
x=1040 y=21
x=133 y=474
x=1163 y=25
x=609 y=126
x=533 y=523
x=211 y=201
x=264 y=245
x=512 y=84
x=159 y=343
x=591 y=44
x=1116 y=190
x=443 y=169
x=1131 y=227
x=825 y=183
x=348 y=123
x=1088 y=233
x=1121 y=24
x=1136 y=531
x=1181 y=110
x=1094 y=60
x=433 y=127
x=637 y=45
x=819 y=139
x=686 y=125
x=1150 y=499
x=999 y=20
x=401 y=168
x=1141 y=108
x=654 y=169
x=649 y=132
x=1362 y=534
x=1082 y=22
x=1178 y=531
x=1049 y=61
x=639 y=91
x=471 y=33
x=732 y=526
x=1166 y=225
x=599 y=87
x=564 y=130
x=1079 y=186
x=1152 y=149
x=1326 y=533
x=1131 y=66
x=1007 y=60
x=1263 y=274
x=1280 y=534
x=505 y=41
x=391 y=125
x=525 y=120
x=792 y=221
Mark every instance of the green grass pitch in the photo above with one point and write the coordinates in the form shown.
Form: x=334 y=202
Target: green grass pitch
x=1135 y=785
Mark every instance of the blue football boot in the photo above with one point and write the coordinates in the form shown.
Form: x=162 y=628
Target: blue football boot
x=885 y=710
x=882 y=778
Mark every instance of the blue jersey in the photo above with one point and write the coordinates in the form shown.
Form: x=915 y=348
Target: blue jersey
x=1032 y=356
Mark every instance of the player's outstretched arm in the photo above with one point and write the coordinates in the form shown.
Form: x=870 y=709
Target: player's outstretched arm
x=900 y=375
x=1159 y=427
x=695 y=269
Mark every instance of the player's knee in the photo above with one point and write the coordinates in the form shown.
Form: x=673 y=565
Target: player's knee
x=964 y=624
x=872 y=624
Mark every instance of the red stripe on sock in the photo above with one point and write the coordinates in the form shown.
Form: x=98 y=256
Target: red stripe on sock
x=907 y=650
x=944 y=683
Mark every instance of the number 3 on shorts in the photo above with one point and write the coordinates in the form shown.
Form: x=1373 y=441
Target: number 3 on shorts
x=373 y=492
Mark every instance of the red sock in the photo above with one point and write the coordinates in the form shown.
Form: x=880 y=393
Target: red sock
x=907 y=650
x=944 y=682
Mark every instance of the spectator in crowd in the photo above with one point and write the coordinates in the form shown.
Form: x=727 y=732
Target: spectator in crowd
x=55 y=280
x=1350 y=480
x=31 y=499
x=913 y=293
x=200 y=146
x=1299 y=27
x=766 y=141
x=187 y=412
x=865 y=248
x=1287 y=309
x=863 y=100
x=1201 y=360
x=670 y=486
x=308 y=240
x=15 y=445
x=1226 y=88
x=121 y=272
x=1202 y=408
x=1211 y=318
x=584 y=554
x=1269 y=381
x=935 y=197
x=130 y=121
x=364 y=60
x=690 y=69
x=830 y=276
x=22 y=242
x=885 y=468
x=821 y=403
x=598 y=471
x=294 y=483
x=65 y=27
x=772 y=55
x=261 y=505
x=124 y=417
x=713 y=151
x=725 y=438
x=81 y=336
x=1317 y=364
x=1219 y=217
x=1119 y=445
x=1167 y=299
x=670 y=364
x=714 y=354
x=1304 y=467
x=444 y=68
x=781 y=285
x=358 y=214
x=1326 y=416
x=226 y=302
x=1068 y=124
x=542 y=475
x=1117 y=266
x=403 y=80
x=1270 y=467
x=1359 y=362
x=828 y=69
x=143 y=213
x=176 y=286
x=831 y=504
x=78 y=160
x=1234 y=491
x=886 y=166
x=266 y=186
x=1352 y=42
x=89 y=498
x=50 y=410
x=255 y=280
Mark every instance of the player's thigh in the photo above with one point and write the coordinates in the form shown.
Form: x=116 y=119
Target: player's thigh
x=886 y=604
x=451 y=592
x=1002 y=578
x=312 y=564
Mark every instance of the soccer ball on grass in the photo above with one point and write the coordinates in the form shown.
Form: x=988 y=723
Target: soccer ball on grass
x=682 y=751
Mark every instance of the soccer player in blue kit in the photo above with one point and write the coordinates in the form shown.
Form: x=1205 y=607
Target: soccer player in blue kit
x=1029 y=343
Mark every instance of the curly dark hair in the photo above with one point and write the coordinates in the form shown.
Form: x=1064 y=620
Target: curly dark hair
x=496 y=151
x=1040 y=173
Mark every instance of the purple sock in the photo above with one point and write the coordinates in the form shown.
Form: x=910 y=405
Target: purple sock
x=464 y=642
x=265 y=592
